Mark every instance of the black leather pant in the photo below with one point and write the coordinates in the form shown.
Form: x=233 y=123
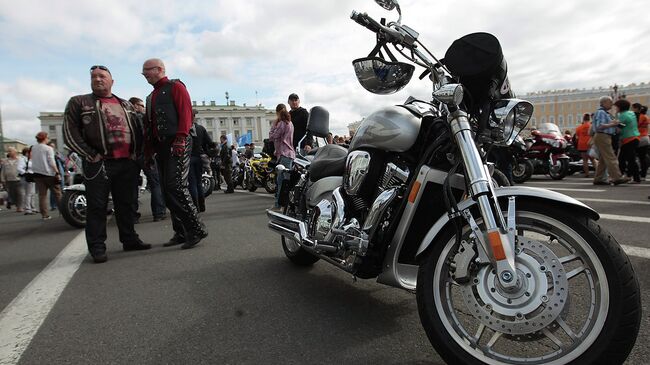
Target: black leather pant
x=173 y=172
x=117 y=177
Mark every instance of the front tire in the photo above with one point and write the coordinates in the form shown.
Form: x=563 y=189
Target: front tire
x=464 y=332
x=270 y=184
x=73 y=208
x=559 y=171
x=522 y=171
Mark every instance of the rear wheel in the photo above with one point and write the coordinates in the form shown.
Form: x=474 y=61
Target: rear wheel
x=577 y=302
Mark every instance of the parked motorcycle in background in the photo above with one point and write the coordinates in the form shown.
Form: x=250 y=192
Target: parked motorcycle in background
x=546 y=149
x=257 y=173
x=502 y=275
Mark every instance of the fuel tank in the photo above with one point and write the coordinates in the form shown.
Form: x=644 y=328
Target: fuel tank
x=392 y=128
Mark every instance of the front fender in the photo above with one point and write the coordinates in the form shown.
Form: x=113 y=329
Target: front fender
x=504 y=192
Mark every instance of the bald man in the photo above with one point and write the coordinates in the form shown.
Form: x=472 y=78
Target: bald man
x=168 y=120
x=104 y=130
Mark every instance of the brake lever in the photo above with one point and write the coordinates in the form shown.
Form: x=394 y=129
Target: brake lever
x=425 y=73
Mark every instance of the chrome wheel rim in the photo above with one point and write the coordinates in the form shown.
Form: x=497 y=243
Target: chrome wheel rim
x=577 y=301
x=77 y=207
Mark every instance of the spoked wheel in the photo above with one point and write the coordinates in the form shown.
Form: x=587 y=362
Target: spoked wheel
x=73 y=208
x=577 y=300
x=292 y=249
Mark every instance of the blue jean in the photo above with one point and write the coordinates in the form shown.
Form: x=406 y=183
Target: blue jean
x=286 y=162
x=153 y=181
x=194 y=178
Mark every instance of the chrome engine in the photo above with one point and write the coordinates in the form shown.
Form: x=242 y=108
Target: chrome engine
x=332 y=235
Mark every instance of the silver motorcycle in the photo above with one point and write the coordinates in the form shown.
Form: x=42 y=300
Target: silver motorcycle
x=502 y=275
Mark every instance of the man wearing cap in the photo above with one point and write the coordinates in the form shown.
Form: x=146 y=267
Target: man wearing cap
x=102 y=129
x=168 y=119
x=299 y=117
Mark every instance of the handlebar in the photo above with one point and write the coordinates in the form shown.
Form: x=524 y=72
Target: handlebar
x=389 y=34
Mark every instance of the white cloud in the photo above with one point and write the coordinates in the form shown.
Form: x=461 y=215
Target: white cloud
x=285 y=46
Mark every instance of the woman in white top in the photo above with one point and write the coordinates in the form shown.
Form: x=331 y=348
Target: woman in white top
x=46 y=173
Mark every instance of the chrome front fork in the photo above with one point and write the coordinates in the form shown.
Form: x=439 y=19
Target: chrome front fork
x=498 y=237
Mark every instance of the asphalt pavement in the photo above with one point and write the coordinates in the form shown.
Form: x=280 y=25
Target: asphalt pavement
x=235 y=298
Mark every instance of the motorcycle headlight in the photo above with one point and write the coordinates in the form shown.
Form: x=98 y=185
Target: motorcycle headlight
x=508 y=118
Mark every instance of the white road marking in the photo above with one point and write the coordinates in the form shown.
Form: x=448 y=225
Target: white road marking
x=637 y=251
x=565 y=182
x=582 y=190
x=613 y=201
x=625 y=218
x=22 y=318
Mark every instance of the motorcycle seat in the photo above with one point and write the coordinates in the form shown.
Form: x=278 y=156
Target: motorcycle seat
x=328 y=161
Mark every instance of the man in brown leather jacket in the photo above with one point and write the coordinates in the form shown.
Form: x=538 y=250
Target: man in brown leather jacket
x=102 y=129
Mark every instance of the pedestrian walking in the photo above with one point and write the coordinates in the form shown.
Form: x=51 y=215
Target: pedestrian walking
x=46 y=173
x=299 y=118
x=168 y=120
x=60 y=165
x=644 y=140
x=282 y=135
x=226 y=164
x=629 y=140
x=584 y=142
x=605 y=128
x=102 y=128
x=10 y=177
x=27 y=181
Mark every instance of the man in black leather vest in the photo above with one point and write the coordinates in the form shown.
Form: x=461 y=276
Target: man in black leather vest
x=168 y=120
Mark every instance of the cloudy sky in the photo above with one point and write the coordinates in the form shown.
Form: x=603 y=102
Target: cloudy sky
x=276 y=47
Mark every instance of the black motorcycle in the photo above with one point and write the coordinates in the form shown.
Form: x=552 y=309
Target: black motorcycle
x=502 y=275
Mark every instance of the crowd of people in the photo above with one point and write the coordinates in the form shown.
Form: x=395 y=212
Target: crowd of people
x=112 y=140
x=615 y=140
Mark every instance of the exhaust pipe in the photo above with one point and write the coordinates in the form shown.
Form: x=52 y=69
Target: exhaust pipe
x=296 y=230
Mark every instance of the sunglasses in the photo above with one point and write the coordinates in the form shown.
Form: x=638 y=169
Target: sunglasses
x=104 y=68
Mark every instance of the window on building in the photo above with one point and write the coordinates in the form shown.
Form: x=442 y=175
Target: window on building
x=551 y=108
x=543 y=120
x=52 y=129
x=237 y=133
x=222 y=122
x=250 y=132
x=209 y=122
x=235 y=121
x=542 y=107
x=570 y=120
x=249 y=122
x=551 y=119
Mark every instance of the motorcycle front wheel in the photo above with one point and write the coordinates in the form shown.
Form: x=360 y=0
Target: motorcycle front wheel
x=73 y=208
x=577 y=300
x=271 y=184
x=522 y=171
x=559 y=170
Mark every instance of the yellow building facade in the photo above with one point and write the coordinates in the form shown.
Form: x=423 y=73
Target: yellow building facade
x=565 y=108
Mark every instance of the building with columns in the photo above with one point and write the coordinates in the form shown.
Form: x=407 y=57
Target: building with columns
x=233 y=119
x=565 y=108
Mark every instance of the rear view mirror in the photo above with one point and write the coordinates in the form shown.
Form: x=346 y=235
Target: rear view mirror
x=319 y=122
